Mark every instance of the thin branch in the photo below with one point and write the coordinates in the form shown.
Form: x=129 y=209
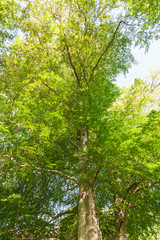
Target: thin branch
x=51 y=89
x=50 y=171
x=85 y=19
x=68 y=211
x=69 y=119
x=146 y=186
x=47 y=213
x=70 y=141
x=96 y=175
x=56 y=92
x=47 y=51
x=154 y=88
x=133 y=186
x=72 y=64
x=105 y=50
x=84 y=72
x=109 y=234
x=54 y=16
x=132 y=206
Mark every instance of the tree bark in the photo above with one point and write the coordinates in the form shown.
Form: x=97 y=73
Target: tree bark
x=88 y=225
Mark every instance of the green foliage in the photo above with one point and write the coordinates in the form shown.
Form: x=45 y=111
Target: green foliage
x=30 y=202
x=68 y=227
x=130 y=174
x=8 y=15
x=149 y=13
x=57 y=78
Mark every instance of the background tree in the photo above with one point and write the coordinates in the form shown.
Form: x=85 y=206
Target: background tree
x=132 y=162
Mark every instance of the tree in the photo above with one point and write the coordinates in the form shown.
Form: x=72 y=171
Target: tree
x=57 y=84
x=132 y=162
x=127 y=192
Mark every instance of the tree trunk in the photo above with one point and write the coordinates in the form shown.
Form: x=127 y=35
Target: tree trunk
x=88 y=225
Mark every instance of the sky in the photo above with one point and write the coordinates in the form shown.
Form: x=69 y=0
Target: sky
x=146 y=62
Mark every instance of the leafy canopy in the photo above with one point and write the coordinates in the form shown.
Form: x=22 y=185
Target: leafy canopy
x=57 y=78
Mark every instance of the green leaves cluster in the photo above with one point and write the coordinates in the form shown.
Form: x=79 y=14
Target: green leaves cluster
x=9 y=10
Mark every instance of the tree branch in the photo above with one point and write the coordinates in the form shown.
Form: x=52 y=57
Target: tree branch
x=109 y=234
x=72 y=64
x=146 y=186
x=49 y=171
x=55 y=17
x=70 y=141
x=51 y=89
x=105 y=50
x=68 y=211
x=96 y=175
x=84 y=73
x=47 y=213
x=133 y=186
x=56 y=92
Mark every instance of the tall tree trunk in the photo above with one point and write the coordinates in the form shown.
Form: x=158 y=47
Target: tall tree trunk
x=88 y=225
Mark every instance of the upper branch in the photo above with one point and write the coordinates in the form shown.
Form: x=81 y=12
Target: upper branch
x=107 y=47
x=84 y=72
x=72 y=64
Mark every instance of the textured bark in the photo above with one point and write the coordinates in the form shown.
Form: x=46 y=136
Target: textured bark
x=88 y=225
